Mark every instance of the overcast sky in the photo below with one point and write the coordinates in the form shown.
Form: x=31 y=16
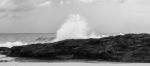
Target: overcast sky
x=46 y=16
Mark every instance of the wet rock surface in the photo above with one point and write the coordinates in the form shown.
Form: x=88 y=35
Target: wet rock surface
x=120 y=48
x=4 y=50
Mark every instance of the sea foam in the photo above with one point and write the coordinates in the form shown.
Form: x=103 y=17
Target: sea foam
x=76 y=27
x=11 y=44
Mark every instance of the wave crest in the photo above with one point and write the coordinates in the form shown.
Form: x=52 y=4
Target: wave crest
x=11 y=44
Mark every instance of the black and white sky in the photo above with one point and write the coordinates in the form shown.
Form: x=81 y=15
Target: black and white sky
x=46 y=16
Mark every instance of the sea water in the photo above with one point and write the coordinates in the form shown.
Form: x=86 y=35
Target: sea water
x=25 y=37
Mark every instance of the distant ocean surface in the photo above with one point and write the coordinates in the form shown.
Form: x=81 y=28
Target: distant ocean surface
x=26 y=37
x=32 y=37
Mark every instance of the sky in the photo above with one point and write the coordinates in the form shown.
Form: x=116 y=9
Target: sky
x=46 y=16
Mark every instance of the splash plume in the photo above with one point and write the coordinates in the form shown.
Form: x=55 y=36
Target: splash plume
x=74 y=28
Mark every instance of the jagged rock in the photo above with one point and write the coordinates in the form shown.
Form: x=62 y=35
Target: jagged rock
x=120 y=48
x=4 y=50
x=139 y=55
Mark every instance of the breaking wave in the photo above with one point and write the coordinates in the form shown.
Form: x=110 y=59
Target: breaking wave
x=11 y=44
x=75 y=28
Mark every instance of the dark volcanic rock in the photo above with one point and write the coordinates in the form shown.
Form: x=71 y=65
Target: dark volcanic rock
x=4 y=50
x=121 y=48
x=140 y=55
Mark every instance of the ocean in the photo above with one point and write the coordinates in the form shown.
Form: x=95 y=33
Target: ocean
x=26 y=37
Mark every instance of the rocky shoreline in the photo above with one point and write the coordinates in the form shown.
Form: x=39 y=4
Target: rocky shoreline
x=120 y=48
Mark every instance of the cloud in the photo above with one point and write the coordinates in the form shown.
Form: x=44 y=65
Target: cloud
x=10 y=7
x=65 y=2
x=46 y=3
x=137 y=7
x=6 y=4
x=115 y=0
x=102 y=1
x=119 y=1
x=71 y=1
x=88 y=1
